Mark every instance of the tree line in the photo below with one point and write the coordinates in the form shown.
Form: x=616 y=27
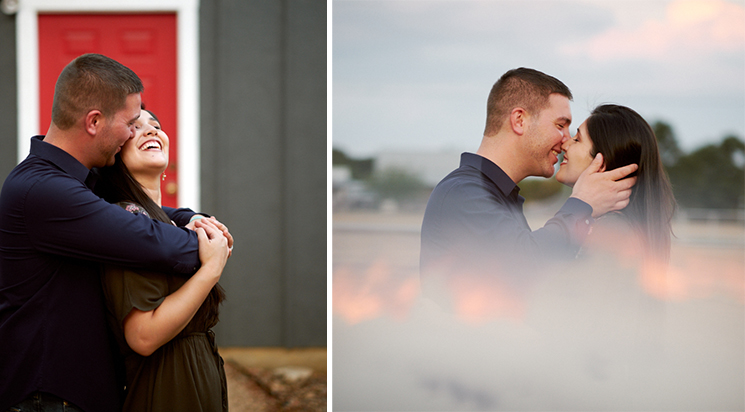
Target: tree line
x=709 y=177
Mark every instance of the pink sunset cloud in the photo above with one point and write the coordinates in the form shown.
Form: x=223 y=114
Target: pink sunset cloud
x=690 y=28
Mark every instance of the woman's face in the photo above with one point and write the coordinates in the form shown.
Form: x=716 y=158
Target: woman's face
x=577 y=156
x=147 y=152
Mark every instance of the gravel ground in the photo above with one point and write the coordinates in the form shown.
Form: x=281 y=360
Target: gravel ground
x=285 y=389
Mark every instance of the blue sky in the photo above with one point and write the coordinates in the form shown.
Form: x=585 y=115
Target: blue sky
x=415 y=75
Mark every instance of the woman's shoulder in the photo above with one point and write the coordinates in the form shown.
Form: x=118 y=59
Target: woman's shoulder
x=133 y=207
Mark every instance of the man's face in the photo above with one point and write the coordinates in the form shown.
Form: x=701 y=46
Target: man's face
x=545 y=134
x=117 y=130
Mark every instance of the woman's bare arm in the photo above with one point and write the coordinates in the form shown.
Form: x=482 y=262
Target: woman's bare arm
x=147 y=331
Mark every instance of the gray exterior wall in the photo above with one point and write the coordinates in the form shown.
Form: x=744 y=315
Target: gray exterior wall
x=263 y=161
x=8 y=96
x=263 y=134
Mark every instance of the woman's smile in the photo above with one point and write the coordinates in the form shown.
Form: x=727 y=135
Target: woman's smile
x=153 y=144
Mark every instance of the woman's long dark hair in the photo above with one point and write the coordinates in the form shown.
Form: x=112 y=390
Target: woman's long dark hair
x=624 y=137
x=116 y=184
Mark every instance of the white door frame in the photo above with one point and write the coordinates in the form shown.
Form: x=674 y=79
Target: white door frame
x=187 y=37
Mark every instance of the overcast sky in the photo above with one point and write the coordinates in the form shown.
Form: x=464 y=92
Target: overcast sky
x=415 y=75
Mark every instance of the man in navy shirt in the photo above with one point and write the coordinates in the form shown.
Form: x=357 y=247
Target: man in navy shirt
x=474 y=235
x=55 y=233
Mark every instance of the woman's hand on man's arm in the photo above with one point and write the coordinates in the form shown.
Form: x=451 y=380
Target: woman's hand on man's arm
x=145 y=332
x=199 y=219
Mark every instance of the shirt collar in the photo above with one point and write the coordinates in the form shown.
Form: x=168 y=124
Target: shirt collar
x=491 y=171
x=59 y=158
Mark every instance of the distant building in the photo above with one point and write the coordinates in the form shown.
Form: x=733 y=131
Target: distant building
x=340 y=175
x=430 y=167
x=349 y=193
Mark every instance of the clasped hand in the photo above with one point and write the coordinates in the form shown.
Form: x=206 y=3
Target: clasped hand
x=214 y=225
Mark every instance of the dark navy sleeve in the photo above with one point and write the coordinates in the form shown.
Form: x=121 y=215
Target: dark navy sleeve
x=475 y=238
x=63 y=217
x=181 y=216
x=480 y=223
x=570 y=225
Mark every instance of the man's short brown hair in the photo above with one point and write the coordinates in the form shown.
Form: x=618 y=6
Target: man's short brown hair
x=521 y=87
x=92 y=82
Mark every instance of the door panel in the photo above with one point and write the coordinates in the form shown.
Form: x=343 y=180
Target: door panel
x=146 y=43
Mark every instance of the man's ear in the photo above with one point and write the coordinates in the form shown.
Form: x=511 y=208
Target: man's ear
x=93 y=122
x=518 y=120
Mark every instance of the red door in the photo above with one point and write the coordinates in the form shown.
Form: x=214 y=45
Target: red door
x=146 y=43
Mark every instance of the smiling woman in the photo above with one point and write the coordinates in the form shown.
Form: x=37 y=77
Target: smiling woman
x=146 y=155
x=162 y=322
x=579 y=150
x=624 y=137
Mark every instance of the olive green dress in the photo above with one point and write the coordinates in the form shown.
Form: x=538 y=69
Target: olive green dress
x=186 y=374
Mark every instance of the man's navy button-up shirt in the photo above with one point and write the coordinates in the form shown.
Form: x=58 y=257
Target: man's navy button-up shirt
x=54 y=234
x=474 y=228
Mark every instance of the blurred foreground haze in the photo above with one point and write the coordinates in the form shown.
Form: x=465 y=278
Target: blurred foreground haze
x=608 y=340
